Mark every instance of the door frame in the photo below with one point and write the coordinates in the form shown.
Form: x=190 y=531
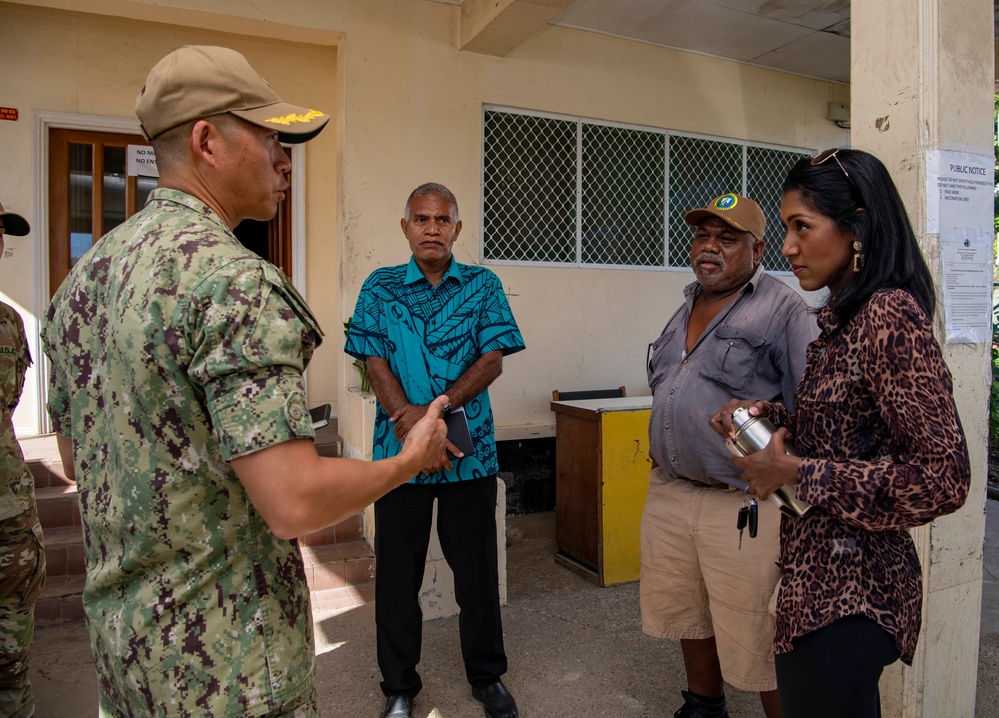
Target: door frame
x=44 y=120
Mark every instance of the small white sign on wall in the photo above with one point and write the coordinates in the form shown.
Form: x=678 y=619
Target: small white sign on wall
x=141 y=160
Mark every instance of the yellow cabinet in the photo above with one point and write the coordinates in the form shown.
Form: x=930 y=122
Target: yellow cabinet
x=601 y=479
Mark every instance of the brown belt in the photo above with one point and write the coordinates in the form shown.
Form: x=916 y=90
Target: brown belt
x=702 y=485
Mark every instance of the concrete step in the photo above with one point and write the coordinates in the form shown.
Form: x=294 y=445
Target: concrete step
x=338 y=565
x=350 y=529
x=58 y=506
x=61 y=601
x=47 y=473
x=64 y=551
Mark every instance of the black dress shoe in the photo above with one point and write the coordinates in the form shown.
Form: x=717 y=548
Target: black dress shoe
x=398 y=707
x=497 y=700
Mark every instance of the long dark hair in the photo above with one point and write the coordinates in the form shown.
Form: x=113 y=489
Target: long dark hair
x=891 y=256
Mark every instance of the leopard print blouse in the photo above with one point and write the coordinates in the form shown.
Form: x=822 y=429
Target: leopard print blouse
x=876 y=419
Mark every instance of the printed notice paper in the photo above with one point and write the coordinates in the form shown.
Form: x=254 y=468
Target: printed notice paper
x=141 y=160
x=959 y=205
x=967 y=285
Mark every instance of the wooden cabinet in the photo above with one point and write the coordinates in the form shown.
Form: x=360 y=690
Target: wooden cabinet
x=601 y=479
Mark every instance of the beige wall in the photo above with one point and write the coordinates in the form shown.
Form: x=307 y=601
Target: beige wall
x=94 y=65
x=411 y=112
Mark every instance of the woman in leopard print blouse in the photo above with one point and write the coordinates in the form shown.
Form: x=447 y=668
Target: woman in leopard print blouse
x=881 y=445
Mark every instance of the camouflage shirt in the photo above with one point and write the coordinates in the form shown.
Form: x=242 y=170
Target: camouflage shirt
x=16 y=484
x=174 y=350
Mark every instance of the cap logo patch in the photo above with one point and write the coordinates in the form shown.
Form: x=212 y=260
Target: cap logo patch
x=289 y=119
x=726 y=201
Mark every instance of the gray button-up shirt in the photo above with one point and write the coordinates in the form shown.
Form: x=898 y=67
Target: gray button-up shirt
x=753 y=349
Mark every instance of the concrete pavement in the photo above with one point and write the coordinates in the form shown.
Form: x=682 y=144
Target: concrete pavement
x=575 y=649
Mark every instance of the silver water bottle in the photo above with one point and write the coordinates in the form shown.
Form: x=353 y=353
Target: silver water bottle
x=752 y=433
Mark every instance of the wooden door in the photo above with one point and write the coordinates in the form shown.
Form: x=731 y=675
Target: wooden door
x=90 y=193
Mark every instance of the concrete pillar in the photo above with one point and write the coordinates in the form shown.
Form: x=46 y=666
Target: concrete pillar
x=922 y=82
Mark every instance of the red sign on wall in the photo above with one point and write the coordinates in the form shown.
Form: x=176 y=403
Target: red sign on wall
x=8 y=113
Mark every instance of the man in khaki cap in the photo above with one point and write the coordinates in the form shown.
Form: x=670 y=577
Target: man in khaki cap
x=176 y=392
x=739 y=333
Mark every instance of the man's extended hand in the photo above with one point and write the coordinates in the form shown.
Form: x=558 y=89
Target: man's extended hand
x=405 y=420
x=426 y=440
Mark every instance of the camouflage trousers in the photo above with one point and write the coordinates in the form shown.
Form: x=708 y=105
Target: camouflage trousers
x=22 y=577
x=305 y=705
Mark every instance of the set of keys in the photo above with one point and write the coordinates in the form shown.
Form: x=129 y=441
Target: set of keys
x=749 y=515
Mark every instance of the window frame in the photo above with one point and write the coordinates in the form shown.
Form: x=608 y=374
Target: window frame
x=580 y=121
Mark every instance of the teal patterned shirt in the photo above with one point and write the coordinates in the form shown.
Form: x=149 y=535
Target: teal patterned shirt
x=430 y=336
x=173 y=350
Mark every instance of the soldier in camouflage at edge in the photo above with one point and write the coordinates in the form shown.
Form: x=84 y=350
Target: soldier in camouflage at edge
x=177 y=396
x=22 y=547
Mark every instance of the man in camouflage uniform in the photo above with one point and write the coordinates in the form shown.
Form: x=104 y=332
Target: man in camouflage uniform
x=22 y=554
x=177 y=395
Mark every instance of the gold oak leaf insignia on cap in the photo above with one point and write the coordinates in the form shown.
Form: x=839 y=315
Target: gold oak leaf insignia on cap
x=289 y=119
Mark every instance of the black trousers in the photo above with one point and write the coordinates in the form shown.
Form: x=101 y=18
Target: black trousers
x=834 y=672
x=466 y=526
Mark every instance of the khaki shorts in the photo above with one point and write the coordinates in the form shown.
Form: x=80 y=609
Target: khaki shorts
x=697 y=583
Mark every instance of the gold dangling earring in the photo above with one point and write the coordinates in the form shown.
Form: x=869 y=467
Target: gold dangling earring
x=858 y=257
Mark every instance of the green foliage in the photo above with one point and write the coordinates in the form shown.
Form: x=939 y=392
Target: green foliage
x=994 y=396
x=362 y=368
x=995 y=128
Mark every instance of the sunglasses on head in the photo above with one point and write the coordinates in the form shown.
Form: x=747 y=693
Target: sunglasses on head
x=831 y=153
x=825 y=155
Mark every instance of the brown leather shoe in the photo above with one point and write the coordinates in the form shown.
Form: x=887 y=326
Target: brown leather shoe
x=497 y=700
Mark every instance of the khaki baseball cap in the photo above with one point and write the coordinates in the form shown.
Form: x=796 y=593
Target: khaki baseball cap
x=199 y=81
x=14 y=224
x=734 y=210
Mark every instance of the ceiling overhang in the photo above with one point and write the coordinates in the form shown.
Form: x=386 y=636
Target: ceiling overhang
x=496 y=27
x=802 y=37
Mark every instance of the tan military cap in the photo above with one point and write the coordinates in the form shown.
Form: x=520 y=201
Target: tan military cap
x=199 y=81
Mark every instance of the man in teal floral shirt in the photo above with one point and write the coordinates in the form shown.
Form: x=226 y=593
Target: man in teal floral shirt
x=425 y=328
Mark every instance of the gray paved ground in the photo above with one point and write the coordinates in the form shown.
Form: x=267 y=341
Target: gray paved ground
x=576 y=650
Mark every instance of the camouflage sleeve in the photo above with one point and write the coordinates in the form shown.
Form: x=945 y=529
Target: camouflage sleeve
x=23 y=360
x=58 y=395
x=252 y=340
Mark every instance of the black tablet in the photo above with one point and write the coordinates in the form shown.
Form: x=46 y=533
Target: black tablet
x=458 y=433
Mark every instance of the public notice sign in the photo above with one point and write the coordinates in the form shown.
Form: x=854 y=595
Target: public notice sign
x=959 y=207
